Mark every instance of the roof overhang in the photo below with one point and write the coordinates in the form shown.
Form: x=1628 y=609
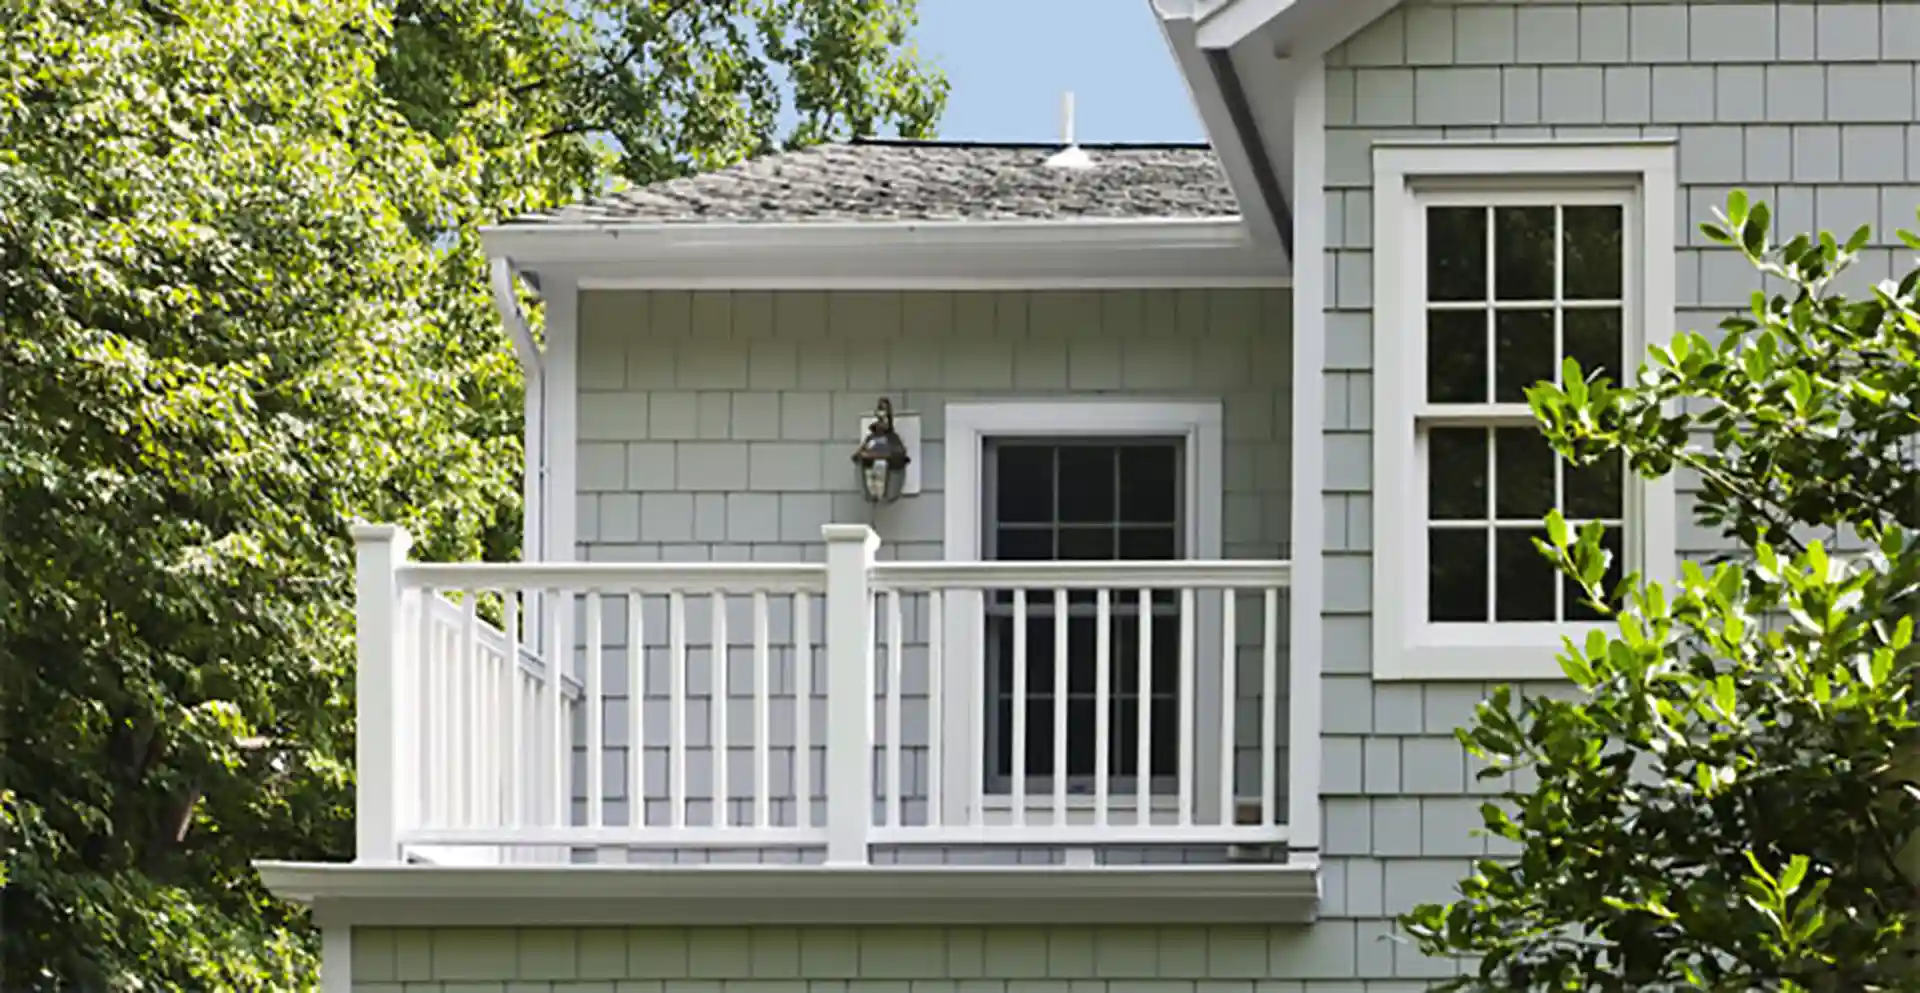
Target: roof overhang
x=742 y=895
x=1296 y=28
x=894 y=254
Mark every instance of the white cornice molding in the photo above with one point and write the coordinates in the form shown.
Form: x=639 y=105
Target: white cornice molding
x=741 y=895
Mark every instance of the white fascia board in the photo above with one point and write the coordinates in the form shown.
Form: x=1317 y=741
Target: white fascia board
x=740 y=895
x=1229 y=145
x=896 y=255
x=1225 y=23
x=539 y=242
x=1299 y=28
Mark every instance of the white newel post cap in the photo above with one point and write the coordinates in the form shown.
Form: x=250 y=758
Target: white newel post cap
x=835 y=534
x=375 y=534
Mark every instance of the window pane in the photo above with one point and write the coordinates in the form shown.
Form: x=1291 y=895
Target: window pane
x=1596 y=340
x=1456 y=356
x=1522 y=352
x=1456 y=253
x=1523 y=474
x=1523 y=253
x=1149 y=484
x=1577 y=610
x=1085 y=544
x=1524 y=582
x=1456 y=575
x=1596 y=490
x=1457 y=474
x=1147 y=544
x=1087 y=482
x=1592 y=244
x=1022 y=483
x=1022 y=544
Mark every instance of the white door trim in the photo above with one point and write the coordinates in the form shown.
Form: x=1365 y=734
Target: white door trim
x=968 y=425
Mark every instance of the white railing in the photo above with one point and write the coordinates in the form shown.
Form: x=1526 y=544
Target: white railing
x=835 y=707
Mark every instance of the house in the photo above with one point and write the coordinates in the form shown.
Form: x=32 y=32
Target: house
x=1246 y=416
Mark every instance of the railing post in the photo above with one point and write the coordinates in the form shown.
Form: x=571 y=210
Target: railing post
x=850 y=549
x=379 y=551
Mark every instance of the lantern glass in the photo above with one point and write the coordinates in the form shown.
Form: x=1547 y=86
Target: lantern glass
x=881 y=460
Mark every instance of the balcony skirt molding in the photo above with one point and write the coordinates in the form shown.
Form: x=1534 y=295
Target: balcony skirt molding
x=377 y=895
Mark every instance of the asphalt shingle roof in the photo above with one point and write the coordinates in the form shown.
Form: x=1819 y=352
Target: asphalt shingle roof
x=928 y=181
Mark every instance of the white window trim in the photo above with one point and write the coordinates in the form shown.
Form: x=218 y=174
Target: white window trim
x=1406 y=646
x=968 y=426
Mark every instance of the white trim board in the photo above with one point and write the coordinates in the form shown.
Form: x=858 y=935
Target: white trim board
x=968 y=425
x=1132 y=253
x=344 y=895
x=1307 y=528
x=1639 y=174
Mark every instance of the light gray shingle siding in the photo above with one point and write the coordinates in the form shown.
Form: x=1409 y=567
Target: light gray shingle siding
x=1830 y=143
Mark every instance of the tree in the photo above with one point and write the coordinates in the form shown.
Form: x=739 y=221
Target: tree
x=241 y=304
x=1729 y=803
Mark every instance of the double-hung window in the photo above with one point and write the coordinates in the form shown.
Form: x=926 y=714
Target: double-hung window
x=1493 y=265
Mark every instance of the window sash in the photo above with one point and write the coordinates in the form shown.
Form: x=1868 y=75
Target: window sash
x=995 y=684
x=1494 y=413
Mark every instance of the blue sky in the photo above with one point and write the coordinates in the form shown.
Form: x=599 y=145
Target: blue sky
x=1009 y=61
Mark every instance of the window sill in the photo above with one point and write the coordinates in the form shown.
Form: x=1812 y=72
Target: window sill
x=1488 y=662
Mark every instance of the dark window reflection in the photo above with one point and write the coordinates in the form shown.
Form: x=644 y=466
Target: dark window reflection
x=1089 y=482
x=1456 y=575
x=1457 y=474
x=1523 y=253
x=1524 y=581
x=1594 y=251
x=1523 y=474
x=1595 y=491
x=1522 y=353
x=1595 y=339
x=1457 y=356
x=1456 y=253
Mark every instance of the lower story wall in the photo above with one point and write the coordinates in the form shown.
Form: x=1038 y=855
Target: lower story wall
x=1331 y=956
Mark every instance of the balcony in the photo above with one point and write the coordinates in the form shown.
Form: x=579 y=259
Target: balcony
x=874 y=714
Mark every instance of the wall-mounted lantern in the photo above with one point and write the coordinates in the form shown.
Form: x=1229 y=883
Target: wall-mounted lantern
x=882 y=458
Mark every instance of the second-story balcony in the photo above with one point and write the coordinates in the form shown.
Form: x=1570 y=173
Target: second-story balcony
x=850 y=712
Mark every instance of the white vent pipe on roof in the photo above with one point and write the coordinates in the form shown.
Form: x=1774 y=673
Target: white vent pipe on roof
x=1072 y=156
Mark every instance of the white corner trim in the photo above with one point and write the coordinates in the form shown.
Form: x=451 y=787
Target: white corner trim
x=561 y=397
x=1308 y=525
x=344 y=895
x=968 y=425
x=336 y=959
x=1405 y=647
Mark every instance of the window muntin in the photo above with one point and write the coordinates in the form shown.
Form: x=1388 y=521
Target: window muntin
x=1082 y=499
x=1510 y=286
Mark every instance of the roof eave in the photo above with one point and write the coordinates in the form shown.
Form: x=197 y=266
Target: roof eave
x=1143 y=252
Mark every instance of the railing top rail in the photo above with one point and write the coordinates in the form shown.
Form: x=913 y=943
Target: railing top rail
x=1162 y=574
x=620 y=577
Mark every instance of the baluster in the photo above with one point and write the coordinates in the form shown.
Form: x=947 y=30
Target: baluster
x=895 y=754
x=1229 y=705
x=1269 y=699
x=762 y=662
x=676 y=709
x=1102 y=701
x=1143 y=752
x=596 y=716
